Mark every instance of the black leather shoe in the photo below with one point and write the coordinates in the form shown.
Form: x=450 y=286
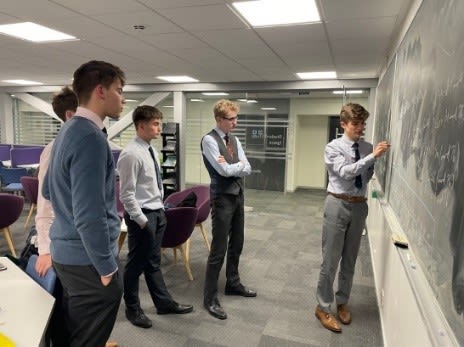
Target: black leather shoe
x=175 y=308
x=214 y=308
x=138 y=318
x=240 y=290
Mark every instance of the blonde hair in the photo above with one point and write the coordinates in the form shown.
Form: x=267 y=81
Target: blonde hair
x=223 y=106
x=353 y=112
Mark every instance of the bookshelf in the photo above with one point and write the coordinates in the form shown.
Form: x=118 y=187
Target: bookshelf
x=170 y=154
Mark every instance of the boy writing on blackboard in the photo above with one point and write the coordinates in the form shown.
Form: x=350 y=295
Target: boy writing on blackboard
x=350 y=164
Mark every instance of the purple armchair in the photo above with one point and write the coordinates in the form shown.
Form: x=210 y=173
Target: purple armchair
x=180 y=224
x=203 y=206
x=10 y=179
x=31 y=190
x=11 y=207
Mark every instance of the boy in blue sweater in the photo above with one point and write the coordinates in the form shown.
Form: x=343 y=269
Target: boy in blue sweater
x=80 y=184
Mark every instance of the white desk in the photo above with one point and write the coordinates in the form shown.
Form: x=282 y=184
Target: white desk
x=29 y=166
x=25 y=307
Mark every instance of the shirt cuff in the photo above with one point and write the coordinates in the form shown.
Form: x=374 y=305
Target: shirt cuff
x=111 y=274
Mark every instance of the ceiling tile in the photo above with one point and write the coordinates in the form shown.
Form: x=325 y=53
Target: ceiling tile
x=357 y=9
x=153 y=23
x=197 y=18
x=296 y=34
x=361 y=28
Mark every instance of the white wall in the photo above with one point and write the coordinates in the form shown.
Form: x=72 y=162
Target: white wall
x=311 y=137
x=305 y=166
x=409 y=312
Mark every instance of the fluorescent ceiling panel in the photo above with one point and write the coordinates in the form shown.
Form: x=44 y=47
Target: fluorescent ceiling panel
x=177 y=79
x=23 y=82
x=347 y=92
x=214 y=93
x=263 y=13
x=34 y=32
x=320 y=75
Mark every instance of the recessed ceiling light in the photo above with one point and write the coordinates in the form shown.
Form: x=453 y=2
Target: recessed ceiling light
x=177 y=79
x=23 y=82
x=347 y=92
x=130 y=100
x=267 y=13
x=268 y=108
x=251 y=101
x=214 y=93
x=168 y=106
x=242 y=100
x=34 y=32
x=320 y=75
x=197 y=100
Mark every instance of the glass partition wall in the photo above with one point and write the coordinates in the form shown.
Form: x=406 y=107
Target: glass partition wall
x=282 y=132
x=261 y=128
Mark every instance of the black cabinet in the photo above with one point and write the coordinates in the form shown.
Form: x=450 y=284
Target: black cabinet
x=170 y=155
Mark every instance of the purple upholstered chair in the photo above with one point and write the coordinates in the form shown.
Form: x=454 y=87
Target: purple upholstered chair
x=180 y=224
x=10 y=179
x=31 y=190
x=203 y=205
x=11 y=207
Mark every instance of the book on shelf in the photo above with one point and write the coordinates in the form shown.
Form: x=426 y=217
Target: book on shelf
x=170 y=146
x=170 y=161
x=169 y=129
x=169 y=181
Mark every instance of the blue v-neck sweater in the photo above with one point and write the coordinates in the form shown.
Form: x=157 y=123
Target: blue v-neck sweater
x=80 y=183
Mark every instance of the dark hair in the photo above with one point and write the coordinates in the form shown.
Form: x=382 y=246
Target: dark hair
x=65 y=100
x=352 y=112
x=93 y=73
x=145 y=113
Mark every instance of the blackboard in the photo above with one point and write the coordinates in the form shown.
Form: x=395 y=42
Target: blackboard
x=382 y=122
x=426 y=186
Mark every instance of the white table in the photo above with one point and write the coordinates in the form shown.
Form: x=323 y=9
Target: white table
x=29 y=166
x=25 y=307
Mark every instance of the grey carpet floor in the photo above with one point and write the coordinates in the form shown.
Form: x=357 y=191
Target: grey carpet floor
x=280 y=260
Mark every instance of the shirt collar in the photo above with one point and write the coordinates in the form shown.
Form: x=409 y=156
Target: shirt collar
x=90 y=115
x=220 y=132
x=347 y=140
x=142 y=142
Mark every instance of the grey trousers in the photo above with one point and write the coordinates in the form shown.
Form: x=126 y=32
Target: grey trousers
x=341 y=237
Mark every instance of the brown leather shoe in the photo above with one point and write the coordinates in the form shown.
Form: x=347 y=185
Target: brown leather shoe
x=328 y=320
x=111 y=344
x=344 y=314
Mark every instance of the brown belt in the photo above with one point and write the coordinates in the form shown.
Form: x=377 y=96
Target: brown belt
x=349 y=198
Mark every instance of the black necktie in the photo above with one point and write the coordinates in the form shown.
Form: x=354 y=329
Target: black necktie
x=229 y=146
x=158 y=175
x=105 y=131
x=358 y=180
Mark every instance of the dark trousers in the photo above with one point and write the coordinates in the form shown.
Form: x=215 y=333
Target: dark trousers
x=57 y=332
x=227 y=217
x=90 y=307
x=144 y=257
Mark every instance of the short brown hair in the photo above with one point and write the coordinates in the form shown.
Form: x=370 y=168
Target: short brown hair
x=223 y=106
x=93 y=73
x=145 y=113
x=353 y=112
x=65 y=100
